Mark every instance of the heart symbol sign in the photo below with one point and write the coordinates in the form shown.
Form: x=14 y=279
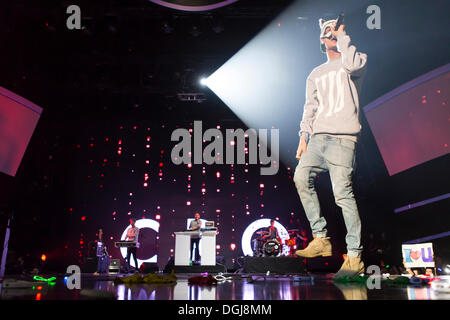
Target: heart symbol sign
x=415 y=255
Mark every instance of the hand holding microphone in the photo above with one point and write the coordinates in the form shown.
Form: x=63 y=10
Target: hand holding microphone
x=338 y=27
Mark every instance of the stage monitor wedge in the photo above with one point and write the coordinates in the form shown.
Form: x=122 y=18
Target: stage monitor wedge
x=18 y=119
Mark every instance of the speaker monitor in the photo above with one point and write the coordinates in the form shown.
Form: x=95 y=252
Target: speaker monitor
x=114 y=266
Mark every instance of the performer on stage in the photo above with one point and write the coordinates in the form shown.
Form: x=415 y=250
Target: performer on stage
x=271 y=232
x=195 y=224
x=132 y=235
x=328 y=134
x=102 y=255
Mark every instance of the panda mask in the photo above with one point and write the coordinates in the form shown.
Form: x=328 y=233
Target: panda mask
x=325 y=31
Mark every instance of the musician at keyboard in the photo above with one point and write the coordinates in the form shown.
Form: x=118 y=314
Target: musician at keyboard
x=133 y=236
x=195 y=225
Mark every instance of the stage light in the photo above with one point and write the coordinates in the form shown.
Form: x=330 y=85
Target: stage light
x=43 y=257
x=258 y=80
x=204 y=81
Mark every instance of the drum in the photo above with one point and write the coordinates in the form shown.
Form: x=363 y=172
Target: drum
x=272 y=248
x=258 y=247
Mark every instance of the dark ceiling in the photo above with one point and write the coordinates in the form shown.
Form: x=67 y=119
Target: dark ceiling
x=127 y=55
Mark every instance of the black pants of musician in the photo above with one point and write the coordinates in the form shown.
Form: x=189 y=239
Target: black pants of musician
x=132 y=251
x=197 y=250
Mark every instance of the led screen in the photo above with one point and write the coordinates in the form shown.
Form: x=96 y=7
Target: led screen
x=18 y=119
x=411 y=124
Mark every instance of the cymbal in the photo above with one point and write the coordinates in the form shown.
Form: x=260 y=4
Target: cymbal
x=293 y=230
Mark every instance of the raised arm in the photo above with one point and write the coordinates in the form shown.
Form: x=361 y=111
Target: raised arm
x=354 y=62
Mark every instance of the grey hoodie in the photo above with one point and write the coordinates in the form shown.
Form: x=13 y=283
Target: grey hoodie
x=332 y=90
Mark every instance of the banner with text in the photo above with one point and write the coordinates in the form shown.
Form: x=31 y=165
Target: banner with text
x=418 y=255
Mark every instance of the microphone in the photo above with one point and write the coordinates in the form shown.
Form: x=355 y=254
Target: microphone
x=340 y=20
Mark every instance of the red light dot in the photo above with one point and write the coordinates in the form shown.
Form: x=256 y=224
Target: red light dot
x=83 y=218
x=43 y=257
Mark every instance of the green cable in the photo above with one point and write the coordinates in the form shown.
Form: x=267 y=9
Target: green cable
x=39 y=278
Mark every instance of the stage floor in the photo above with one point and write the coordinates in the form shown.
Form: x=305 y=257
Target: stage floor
x=241 y=287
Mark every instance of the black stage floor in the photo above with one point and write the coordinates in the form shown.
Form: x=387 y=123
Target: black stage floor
x=242 y=287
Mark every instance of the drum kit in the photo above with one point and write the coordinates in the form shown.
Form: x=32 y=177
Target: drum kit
x=263 y=247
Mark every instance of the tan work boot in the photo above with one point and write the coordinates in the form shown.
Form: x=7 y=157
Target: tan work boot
x=351 y=267
x=319 y=247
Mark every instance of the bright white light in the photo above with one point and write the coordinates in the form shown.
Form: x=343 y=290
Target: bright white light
x=258 y=224
x=142 y=223
x=204 y=81
x=264 y=82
